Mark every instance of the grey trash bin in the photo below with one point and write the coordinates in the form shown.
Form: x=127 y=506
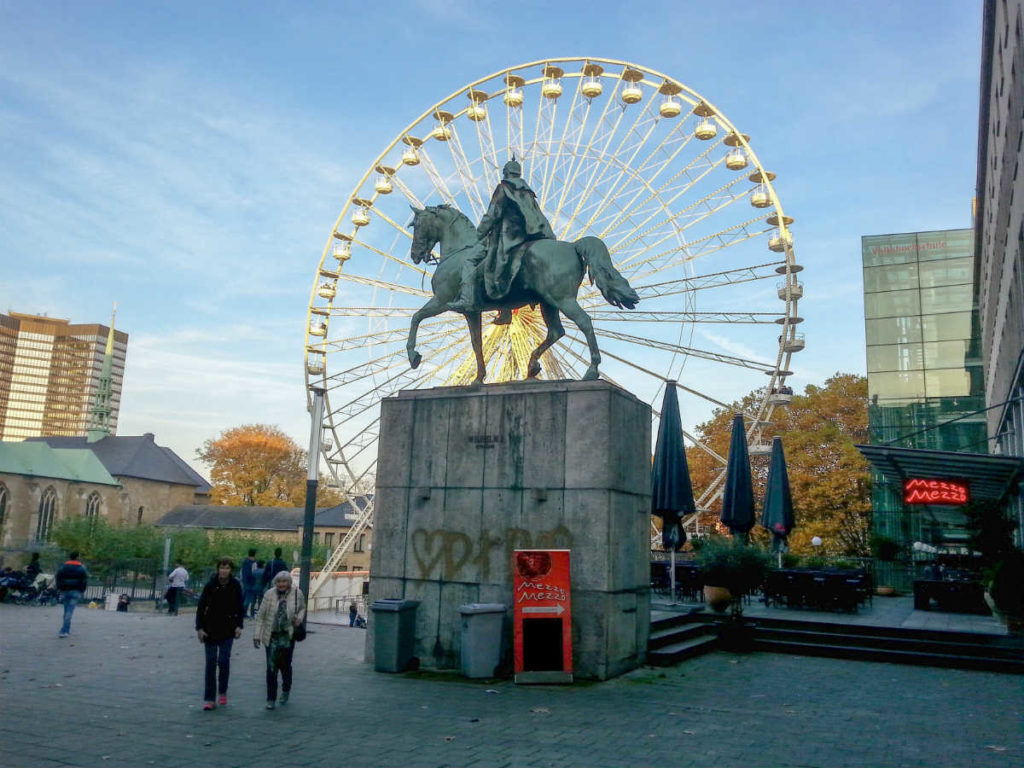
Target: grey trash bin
x=481 y=638
x=394 y=634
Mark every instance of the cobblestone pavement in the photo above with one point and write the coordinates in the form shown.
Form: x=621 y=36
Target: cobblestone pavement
x=125 y=689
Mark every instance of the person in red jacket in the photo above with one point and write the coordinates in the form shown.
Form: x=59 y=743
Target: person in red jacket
x=72 y=579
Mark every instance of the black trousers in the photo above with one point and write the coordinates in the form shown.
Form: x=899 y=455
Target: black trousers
x=218 y=658
x=281 y=661
x=172 y=599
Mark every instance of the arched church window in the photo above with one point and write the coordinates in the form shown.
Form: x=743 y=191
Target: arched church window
x=92 y=507
x=4 y=502
x=47 y=510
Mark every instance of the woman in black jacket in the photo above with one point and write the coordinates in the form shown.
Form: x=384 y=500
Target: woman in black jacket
x=219 y=621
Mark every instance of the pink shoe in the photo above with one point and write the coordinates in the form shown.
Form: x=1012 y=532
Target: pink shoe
x=209 y=705
x=223 y=701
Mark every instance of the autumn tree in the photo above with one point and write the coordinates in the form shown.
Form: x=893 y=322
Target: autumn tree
x=828 y=477
x=259 y=465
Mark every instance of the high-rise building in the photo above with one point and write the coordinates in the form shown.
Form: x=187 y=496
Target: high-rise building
x=925 y=380
x=999 y=231
x=50 y=373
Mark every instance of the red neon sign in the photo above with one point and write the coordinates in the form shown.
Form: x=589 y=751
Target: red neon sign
x=925 y=491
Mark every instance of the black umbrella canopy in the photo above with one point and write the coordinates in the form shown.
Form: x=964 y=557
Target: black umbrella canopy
x=777 y=514
x=738 y=500
x=671 y=489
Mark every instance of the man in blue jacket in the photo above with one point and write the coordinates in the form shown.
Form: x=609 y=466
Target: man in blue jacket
x=72 y=579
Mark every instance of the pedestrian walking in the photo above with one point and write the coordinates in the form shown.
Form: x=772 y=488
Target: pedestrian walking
x=353 y=614
x=177 y=580
x=249 y=584
x=283 y=610
x=274 y=567
x=219 y=622
x=72 y=580
x=261 y=584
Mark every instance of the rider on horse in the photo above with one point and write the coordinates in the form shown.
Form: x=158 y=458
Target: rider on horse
x=515 y=220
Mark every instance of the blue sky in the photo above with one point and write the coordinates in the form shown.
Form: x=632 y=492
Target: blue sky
x=188 y=160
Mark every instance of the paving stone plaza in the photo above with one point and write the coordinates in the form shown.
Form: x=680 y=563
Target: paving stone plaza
x=125 y=690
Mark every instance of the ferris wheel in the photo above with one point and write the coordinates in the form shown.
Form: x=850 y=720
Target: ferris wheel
x=612 y=149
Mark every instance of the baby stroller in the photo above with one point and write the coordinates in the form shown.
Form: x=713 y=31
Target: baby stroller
x=360 y=623
x=45 y=590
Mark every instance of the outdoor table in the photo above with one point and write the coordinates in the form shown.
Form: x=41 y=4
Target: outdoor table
x=961 y=596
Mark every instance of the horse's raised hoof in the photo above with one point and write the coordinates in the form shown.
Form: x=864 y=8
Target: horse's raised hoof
x=415 y=359
x=534 y=370
x=591 y=374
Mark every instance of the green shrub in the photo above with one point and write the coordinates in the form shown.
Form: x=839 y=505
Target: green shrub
x=739 y=567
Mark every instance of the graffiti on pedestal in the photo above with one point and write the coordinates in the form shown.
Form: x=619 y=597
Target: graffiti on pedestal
x=444 y=554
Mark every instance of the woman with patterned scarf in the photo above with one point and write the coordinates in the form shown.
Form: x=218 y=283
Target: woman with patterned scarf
x=283 y=610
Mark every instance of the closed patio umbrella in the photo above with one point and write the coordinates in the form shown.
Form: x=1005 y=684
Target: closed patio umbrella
x=671 y=489
x=777 y=514
x=738 y=499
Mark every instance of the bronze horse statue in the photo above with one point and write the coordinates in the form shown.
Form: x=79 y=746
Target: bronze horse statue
x=550 y=275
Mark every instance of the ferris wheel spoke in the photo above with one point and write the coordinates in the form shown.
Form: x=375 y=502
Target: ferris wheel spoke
x=548 y=114
x=622 y=148
x=713 y=242
x=469 y=182
x=567 y=158
x=649 y=170
x=684 y=179
x=679 y=349
x=610 y=127
x=579 y=155
x=723 y=201
x=406 y=192
x=489 y=155
x=636 y=366
x=384 y=285
x=689 y=285
x=366 y=340
x=436 y=178
x=611 y=184
x=640 y=316
x=388 y=257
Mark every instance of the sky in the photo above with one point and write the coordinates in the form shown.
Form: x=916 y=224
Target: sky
x=188 y=160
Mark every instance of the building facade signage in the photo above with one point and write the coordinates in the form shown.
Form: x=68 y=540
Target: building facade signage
x=919 y=490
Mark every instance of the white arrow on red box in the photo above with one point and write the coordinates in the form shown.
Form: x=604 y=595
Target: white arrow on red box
x=544 y=609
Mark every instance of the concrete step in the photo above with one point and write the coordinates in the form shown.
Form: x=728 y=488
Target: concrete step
x=664 y=636
x=948 y=644
x=868 y=653
x=674 y=653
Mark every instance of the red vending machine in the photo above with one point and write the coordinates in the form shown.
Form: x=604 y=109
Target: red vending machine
x=543 y=616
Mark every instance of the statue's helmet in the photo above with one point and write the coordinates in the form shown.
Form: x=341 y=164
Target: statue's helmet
x=512 y=168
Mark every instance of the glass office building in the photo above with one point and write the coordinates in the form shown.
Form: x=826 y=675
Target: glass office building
x=925 y=379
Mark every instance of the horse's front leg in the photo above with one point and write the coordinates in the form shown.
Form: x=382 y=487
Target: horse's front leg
x=555 y=332
x=476 y=336
x=433 y=307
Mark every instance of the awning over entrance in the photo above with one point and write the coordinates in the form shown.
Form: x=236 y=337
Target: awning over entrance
x=990 y=477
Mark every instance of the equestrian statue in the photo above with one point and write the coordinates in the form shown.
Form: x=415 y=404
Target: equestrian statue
x=510 y=260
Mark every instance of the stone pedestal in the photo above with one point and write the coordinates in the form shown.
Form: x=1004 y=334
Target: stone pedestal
x=467 y=475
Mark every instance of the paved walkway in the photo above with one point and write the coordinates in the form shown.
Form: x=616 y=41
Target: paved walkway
x=125 y=689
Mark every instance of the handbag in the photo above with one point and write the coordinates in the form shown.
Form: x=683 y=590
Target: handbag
x=299 y=632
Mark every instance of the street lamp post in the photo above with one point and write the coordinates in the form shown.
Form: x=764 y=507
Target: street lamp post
x=312 y=481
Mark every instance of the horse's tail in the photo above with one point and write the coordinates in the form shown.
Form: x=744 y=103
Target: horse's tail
x=613 y=286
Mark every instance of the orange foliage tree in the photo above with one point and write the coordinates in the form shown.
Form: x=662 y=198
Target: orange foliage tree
x=828 y=477
x=258 y=465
